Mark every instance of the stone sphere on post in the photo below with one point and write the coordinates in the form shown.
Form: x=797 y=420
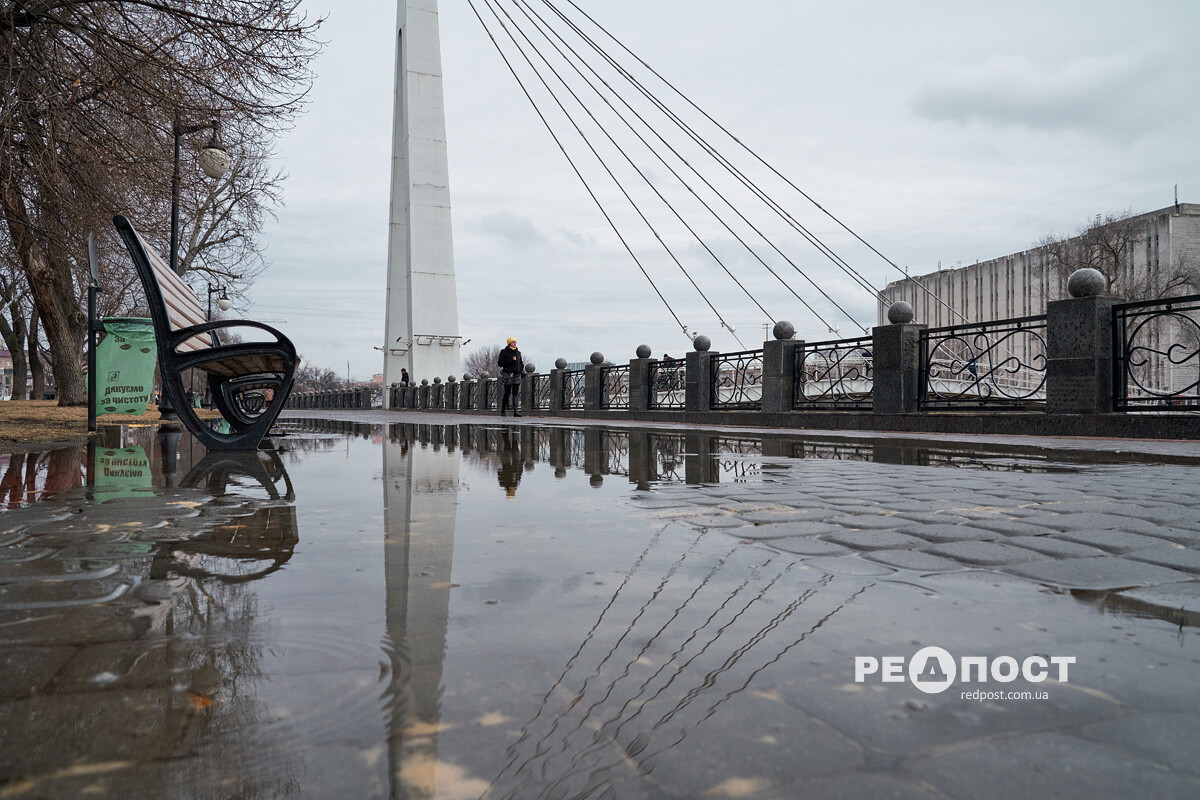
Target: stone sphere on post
x=530 y=368
x=643 y=351
x=783 y=330
x=436 y=381
x=900 y=313
x=451 y=379
x=597 y=358
x=560 y=363
x=702 y=343
x=424 y=381
x=1086 y=282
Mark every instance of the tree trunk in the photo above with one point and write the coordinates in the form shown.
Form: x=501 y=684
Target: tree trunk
x=14 y=340
x=36 y=368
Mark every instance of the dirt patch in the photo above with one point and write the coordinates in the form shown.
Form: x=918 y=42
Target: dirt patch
x=26 y=421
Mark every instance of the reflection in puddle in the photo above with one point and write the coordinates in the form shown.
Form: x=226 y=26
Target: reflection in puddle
x=562 y=613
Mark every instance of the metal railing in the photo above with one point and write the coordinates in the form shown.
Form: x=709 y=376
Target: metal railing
x=491 y=394
x=737 y=380
x=541 y=392
x=614 y=387
x=834 y=375
x=998 y=364
x=1156 y=355
x=572 y=388
x=668 y=381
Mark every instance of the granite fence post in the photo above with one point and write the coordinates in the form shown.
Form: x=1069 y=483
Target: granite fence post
x=1079 y=356
x=896 y=352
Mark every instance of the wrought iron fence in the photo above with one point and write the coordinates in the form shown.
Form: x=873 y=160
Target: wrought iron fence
x=998 y=364
x=1156 y=355
x=614 y=387
x=737 y=380
x=668 y=381
x=491 y=394
x=472 y=390
x=439 y=396
x=541 y=392
x=572 y=388
x=834 y=375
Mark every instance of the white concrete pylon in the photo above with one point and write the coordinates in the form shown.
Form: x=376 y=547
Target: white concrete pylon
x=421 y=329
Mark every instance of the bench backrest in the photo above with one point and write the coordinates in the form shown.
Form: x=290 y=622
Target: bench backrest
x=182 y=306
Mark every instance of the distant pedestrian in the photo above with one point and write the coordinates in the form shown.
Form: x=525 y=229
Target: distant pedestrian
x=511 y=366
x=404 y=379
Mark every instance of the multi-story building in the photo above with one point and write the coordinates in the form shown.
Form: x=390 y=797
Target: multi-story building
x=1145 y=257
x=1151 y=248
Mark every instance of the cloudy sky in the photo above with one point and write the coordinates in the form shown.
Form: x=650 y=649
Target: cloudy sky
x=941 y=132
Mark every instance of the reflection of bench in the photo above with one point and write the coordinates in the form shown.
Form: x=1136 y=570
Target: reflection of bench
x=239 y=374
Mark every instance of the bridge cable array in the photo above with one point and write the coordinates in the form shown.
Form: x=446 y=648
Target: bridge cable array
x=545 y=40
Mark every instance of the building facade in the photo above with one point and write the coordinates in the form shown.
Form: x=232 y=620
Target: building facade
x=1020 y=284
x=1145 y=257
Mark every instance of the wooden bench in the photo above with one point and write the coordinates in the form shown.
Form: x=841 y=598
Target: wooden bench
x=238 y=373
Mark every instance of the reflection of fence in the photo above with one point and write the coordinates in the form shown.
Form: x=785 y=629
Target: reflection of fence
x=835 y=374
x=614 y=387
x=1157 y=354
x=737 y=379
x=986 y=364
x=541 y=392
x=572 y=388
x=668 y=379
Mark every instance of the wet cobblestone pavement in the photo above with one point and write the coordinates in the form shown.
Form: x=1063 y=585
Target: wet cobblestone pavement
x=496 y=611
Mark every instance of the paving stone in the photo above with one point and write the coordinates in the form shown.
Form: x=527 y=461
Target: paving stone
x=1170 y=515
x=1165 y=738
x=1048 y=765
x=941 y=532
x=780 y=530
x=1054 y=546
x=1093 y=522
x=1102 y=572
x=1173 y=557
x=1185 y=536
x=914 y=560
x=857 y=785
x=875 y=540
x=1112 y=541
x=932 y=518
x=865 y=521
x=984 y=554
x=771 y=517
x=1011 y=527
x=808 y=546
x=1169 y=599
x=850 y=566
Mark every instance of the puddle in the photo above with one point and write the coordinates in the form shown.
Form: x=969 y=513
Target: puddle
x=490 y=611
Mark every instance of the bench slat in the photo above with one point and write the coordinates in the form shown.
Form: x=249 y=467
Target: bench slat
x=183 y=307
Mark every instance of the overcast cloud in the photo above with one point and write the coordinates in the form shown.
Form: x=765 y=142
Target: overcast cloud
x=943 y=132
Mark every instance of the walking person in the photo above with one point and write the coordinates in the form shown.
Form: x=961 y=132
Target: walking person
x=404 y=379
x=511 y=368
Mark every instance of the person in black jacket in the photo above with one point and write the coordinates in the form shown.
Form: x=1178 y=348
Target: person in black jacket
x=511 y=367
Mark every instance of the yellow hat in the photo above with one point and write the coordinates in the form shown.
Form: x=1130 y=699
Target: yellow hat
x=511 y=340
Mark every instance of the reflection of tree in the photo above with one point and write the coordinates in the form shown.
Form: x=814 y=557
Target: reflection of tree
x=164 y=664
x=34 y=476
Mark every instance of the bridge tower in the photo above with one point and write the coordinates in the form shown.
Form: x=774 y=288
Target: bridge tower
x=421 y=328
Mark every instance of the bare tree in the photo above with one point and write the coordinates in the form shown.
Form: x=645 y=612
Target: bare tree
x=311 y=378
x=91 y=92
x=482 y=359
x=1108 y=244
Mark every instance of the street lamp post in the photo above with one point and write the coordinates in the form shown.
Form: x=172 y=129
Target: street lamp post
x=223 y=303
x=214 y=160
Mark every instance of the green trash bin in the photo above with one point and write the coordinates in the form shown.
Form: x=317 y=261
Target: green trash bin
x=125 y=360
